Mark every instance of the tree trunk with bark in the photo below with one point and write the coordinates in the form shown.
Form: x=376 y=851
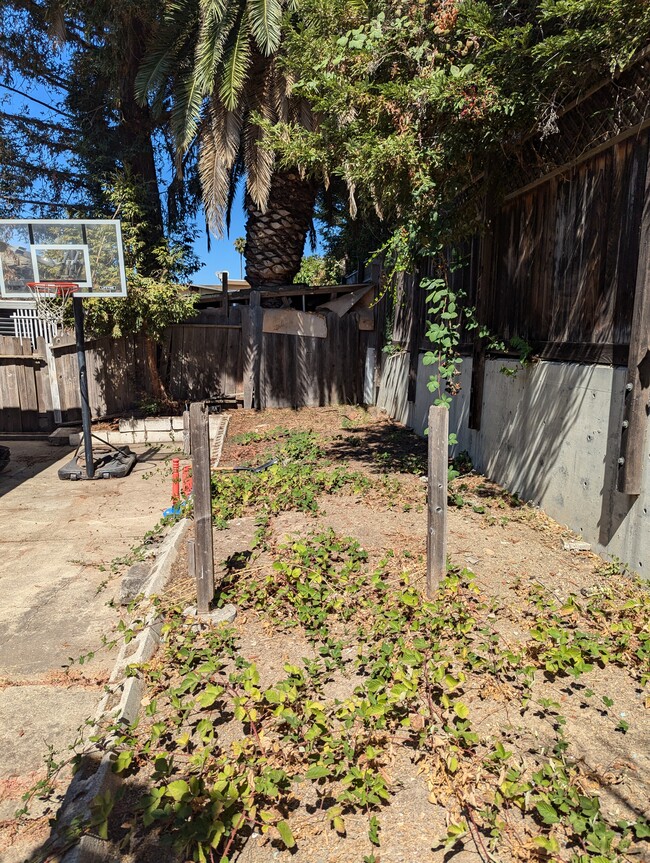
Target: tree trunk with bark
x=151 y=357
x=275 y=239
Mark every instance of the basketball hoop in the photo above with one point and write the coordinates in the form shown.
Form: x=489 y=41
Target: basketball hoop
x=51 y=299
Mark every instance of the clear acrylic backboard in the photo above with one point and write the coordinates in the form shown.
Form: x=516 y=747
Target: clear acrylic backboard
x=85 y=251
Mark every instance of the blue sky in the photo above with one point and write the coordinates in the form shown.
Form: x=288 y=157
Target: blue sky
x=222 y=255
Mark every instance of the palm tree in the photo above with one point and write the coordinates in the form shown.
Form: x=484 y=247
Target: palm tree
x=240 y=248
x=216 y=62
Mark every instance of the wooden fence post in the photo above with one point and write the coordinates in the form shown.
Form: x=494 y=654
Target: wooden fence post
x=204 y=561
x=187 y=440
x=437 y=497
x=252 y=349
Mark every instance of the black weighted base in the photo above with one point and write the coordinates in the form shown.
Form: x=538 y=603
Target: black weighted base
x=111 y=465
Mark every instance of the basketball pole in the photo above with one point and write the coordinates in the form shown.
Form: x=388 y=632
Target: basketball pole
x=78 y=309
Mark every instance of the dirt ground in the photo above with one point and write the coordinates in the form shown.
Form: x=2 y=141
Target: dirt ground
x=520 y=566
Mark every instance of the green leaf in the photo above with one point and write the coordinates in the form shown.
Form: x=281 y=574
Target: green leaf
x=318 y=771
x=178 y=789
x=338 y=824
x=209 y=695
x=547 y=813
x=642 y=829
x=123 y=761
x=461 y=710
x=285 y=834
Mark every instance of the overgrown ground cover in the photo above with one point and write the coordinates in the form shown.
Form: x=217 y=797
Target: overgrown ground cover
x=343 y=717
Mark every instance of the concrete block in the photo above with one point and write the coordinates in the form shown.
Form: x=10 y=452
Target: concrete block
x=166 y=556
x=177 y=423
x=102 y=435
x=131 y=698
x=219 y=615
x=577 y=546
x=158 y=424
x=159 y=436
x=61 y=436
x=75 y=438
x=133 y=583
x=129 y=424
x=123 y=438
x=139 y=437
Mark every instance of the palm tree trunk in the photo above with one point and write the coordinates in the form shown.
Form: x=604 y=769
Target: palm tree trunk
x=275 y=239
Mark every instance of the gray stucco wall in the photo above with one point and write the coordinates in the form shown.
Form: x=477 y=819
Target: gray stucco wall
x=550 y=434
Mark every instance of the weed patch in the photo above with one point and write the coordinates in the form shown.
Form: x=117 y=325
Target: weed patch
x=416 y=664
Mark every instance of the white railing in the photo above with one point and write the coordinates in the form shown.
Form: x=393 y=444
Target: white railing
x=28 y=325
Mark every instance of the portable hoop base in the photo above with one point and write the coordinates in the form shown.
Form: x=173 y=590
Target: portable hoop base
x=110 y=465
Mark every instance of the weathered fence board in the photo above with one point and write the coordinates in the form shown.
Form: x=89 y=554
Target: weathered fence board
x=25 y=397
x=566 y=252
x=302 y=371
x=202 y=361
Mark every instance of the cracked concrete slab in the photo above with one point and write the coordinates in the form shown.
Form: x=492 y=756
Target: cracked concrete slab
x=57 y=542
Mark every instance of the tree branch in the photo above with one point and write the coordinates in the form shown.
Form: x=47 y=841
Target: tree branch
x=38 y=101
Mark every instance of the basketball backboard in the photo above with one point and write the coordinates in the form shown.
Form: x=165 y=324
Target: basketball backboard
x=86 y=251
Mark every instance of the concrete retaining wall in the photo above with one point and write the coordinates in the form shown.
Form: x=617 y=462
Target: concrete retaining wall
x=550 y=434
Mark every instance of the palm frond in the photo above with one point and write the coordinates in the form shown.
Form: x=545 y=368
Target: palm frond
x=259 y=166
x=186 y=112
x=236 y=63
x=219 y=147
x=279 y=94
x=266 y=24
x=177 y=30
x=217 y=20
x=236 y=173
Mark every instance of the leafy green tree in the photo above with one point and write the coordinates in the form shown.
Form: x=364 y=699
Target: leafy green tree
x=318 y=270
x=103 y=151
x=81 y=60
x=216 y=66
x=420 y=104
x=156 y=298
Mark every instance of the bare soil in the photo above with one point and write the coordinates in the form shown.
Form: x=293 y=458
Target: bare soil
x=516 y=552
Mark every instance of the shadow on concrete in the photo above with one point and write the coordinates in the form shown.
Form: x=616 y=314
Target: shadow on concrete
x=542 y=437
x=27 y=459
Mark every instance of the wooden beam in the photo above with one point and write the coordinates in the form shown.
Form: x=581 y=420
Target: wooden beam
x=637 y=388
x=201 y=496
x=584 y=157
x=437 y=497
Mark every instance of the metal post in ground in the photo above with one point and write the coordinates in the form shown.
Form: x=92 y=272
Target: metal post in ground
x=78 y=309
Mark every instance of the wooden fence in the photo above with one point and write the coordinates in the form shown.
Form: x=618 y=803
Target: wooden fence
x=26 y=402
x=195 y=361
